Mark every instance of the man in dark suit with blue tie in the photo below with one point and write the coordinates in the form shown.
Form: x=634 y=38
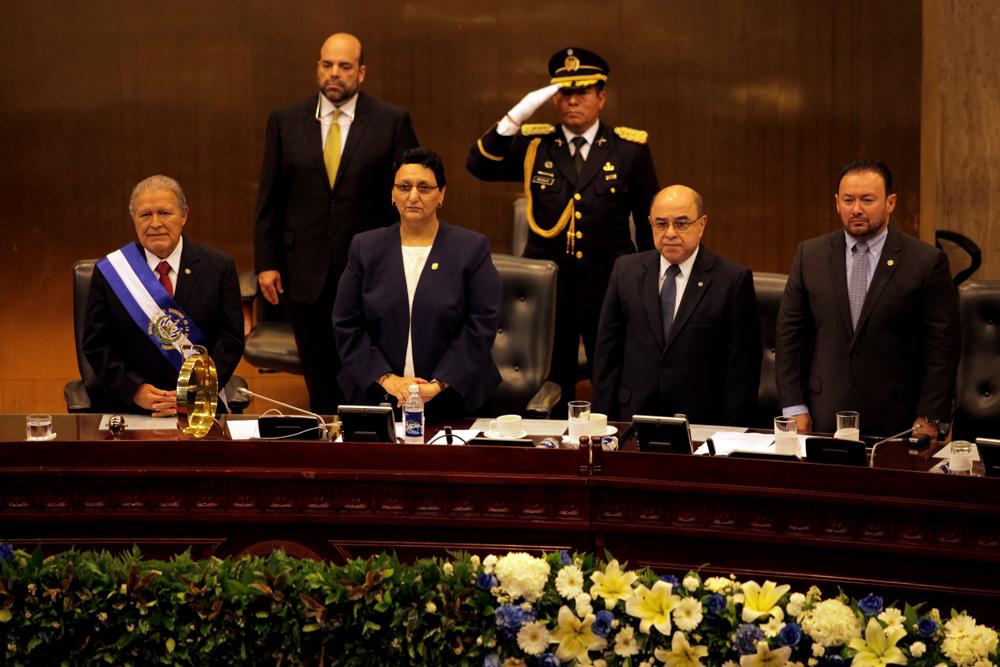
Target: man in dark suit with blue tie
x=325 y=176
x=679 y=329
x=869 y=320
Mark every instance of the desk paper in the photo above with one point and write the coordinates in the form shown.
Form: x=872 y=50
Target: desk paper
x=243 y=429
x=542 y=427
x=727 y=442
x=143 y=423
x=702 y=432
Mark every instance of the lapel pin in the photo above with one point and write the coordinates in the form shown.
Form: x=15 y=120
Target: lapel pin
x=890 y=262
x=548 y=164
x=701 y=284
x=608 y=166
x=602 y=141
x=187 y=272
x=434 y=266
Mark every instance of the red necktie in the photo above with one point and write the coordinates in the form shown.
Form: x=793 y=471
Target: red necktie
x=164 y=270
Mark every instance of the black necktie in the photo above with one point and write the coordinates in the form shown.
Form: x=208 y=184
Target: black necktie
x=578 y=142
x=668 y=299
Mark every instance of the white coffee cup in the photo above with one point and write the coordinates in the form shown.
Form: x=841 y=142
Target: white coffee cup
x=598 y=424
x=508 y=426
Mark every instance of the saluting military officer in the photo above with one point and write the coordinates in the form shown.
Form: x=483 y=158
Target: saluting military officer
x=582 y=179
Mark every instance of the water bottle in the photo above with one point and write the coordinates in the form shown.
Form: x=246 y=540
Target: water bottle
x=413 y=417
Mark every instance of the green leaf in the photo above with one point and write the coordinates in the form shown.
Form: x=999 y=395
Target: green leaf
x=310 y=627
x=170 y=645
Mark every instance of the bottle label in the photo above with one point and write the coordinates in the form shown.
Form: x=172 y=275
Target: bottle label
x=414 y=424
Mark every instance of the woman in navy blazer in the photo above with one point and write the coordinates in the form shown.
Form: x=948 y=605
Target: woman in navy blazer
x=419 y=303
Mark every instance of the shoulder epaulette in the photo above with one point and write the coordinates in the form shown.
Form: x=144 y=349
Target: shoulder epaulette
x=629 y=134
x=535 y=129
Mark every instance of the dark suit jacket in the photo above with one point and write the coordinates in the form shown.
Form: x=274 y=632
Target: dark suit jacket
x=123 y=356
x=901 y=362
x=303 y=228
x=709 y=369
x=456 y=313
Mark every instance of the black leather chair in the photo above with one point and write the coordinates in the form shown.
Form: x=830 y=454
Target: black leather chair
x=964 y=256
x=270 y=343
x=523 y=347
x=769 y=288
x=977 y=403
x=75 y=391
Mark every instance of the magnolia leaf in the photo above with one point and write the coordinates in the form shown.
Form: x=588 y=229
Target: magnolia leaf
x=310 y=627
x=170 y=645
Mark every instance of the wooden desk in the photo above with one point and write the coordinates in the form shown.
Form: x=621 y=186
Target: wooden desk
x=901 y=533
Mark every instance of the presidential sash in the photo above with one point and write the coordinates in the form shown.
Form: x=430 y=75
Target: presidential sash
x=154 y=311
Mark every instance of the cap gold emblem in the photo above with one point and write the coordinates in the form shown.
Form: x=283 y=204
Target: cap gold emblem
x=572 y=63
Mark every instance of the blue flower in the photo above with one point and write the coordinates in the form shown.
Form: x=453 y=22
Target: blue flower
x=510 y=618
x=790 y=635
x=602 y=623
x=487 y=582
x=670 y=579
x=746 y=637
x=926 y=627
x=6 y=552
x=870 y=605
x=564 y=558
x=834 y=661
x=548 y=660
x=715 y=604
x=492 y=660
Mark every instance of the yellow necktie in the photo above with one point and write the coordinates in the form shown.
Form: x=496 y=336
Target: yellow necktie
x=331 y=149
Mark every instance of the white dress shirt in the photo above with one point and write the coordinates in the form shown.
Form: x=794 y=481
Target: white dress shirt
x=346 y=117
x=681 y=279
x=173 y=259
x=590 y=134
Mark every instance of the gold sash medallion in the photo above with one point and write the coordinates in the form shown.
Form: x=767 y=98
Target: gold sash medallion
x=197 y=393
x=169 y=327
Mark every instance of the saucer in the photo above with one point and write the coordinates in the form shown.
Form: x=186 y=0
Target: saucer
x=497 y=435
x=608 y=430
x=50 y=436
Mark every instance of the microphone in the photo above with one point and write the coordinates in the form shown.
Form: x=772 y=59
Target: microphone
x=871 y=458
x=322 y=424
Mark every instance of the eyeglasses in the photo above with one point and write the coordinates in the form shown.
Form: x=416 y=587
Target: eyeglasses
x=423 y=189
x=680 y=226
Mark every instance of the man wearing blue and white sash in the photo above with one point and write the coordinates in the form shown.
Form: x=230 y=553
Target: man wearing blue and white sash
x=150 y=301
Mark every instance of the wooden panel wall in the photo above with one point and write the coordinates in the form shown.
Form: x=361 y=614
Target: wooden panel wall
x=960 y=157
x=753 y=103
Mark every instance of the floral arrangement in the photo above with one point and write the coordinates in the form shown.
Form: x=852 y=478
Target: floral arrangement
x=81 y=608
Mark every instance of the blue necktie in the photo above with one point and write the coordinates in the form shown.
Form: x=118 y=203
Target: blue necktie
x=668 y=298
x=857 y=282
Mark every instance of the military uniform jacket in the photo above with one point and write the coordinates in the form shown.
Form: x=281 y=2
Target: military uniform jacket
x=618 y=179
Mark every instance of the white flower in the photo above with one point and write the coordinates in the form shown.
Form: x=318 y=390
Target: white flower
x=522 y=575
x=430 y=607
x=917 y=649
x=489 y=563
x=691 y=583
x=625 y=644
x=795 y=602
x=831 y=623
x=812 y=662
x=533 y=638
x=730 y=663
x=717 y=584
x=474 y=562
x=818 y=650
x=569 y=582
x=965 y=642
x=892 y=617
x=773 y=627
x=687 y=614
x=448 y=569
x=600 y=663
x=583 y=606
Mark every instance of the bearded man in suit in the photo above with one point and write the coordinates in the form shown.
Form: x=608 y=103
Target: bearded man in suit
x=326 y=170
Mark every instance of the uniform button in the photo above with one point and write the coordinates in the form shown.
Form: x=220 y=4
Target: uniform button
x=579 y=215
x=579 y=235
x=579 y=255
x=612 y=190
x=577 y=196
x=543 y=187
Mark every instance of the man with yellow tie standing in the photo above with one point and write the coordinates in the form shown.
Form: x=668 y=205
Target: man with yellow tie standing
x=326 y=170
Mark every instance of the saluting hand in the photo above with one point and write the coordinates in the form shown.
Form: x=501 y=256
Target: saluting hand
x=530 y=103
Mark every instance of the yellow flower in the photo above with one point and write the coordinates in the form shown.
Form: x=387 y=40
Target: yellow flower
x=878 y=648
x=652 y=606
x=681 y=653
x=575 y=637
x=612 y=585
x=761 y=601
x=766 y=657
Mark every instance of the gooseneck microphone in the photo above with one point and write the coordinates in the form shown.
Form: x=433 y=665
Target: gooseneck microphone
x=324 y=428
x=922 y=441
